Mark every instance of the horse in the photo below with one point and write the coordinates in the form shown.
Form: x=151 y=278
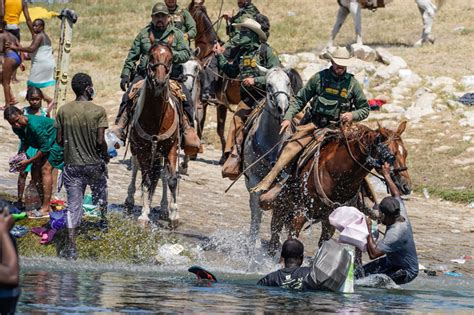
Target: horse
x=427 y=10
x=264 y=137
x=333 y=177
x=227 y=90
x=154 y=136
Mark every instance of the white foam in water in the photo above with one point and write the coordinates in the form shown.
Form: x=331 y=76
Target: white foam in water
x=380 y=281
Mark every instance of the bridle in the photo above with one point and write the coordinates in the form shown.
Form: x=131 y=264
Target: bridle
x=151 y=68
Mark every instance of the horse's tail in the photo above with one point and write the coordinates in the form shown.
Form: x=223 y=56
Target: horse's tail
x=295 y=80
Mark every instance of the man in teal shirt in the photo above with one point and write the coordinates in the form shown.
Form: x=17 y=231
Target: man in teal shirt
x=333 y=95
x=37 y=132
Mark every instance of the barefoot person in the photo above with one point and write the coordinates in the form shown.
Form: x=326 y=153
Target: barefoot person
x=11 y=62
x=399 y=261
x=34 y=96
x=37 y=132
x=42 y=59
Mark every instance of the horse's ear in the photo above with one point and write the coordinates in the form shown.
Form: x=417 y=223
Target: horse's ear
x=196 y=51
x=262 y=70
x=401 y=128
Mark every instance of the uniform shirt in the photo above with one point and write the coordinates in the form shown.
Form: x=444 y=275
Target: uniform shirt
x=40 y=134
x=398 y=244
x=288 y=278
x=182 y=20
x=325 y=89
x=245 y=64
x=79 y=121
x=142 y=44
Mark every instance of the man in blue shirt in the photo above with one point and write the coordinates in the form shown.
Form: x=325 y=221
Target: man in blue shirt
x=400 y=262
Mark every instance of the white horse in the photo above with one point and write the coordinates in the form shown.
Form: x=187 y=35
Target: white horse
x=263 y=136
x=427 y=10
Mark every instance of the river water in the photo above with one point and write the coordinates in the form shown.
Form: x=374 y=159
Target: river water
x=54 y=286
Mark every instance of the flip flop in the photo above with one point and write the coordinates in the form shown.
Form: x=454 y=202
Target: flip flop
x=36 y=214
x=202 y=274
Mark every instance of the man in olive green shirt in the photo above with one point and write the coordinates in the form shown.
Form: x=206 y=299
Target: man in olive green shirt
x=252 y=52
x=334 y=95
x=247 y=10
x=159 y=30
x=181 y=19
x=80 y=130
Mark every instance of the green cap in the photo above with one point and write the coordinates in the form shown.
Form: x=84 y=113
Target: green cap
x=159 y=7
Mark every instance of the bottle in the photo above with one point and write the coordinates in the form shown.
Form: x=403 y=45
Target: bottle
x=426 y=193
x=374 y=231
x=366 y=82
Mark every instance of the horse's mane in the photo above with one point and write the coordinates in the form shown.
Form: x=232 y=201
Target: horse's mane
x=199 y=12
x=295 y=80
x=359 y=133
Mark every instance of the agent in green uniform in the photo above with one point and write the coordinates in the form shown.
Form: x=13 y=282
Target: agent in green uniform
x=252 y=52
x=247 y=10
x=159 y=30
x=333 y=95
x=181 y=19
x=38 y=132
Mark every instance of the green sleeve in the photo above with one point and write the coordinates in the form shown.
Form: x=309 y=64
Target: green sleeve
x=231 y=69
x=271 y=61
x=181 y=50
x=190 y=24
x=310 y=90
x=360 y=102
x=133 y=56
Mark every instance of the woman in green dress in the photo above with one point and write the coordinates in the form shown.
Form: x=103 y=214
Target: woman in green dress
x=37 y=132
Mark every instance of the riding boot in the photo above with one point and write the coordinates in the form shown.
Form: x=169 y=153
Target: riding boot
x=233 y=165
x=296 y=144
x=191 y=141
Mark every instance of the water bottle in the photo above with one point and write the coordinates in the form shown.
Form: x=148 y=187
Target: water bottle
x=366 y=82
x=374 y=231
x=111 y=139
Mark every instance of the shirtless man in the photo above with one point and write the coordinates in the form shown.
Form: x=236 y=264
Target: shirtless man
x=11 y=61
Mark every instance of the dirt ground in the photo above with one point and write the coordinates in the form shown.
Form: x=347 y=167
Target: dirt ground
x=442 y=230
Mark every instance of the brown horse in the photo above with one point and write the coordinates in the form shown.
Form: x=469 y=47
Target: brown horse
x=154 y=133
x=228 y=90
x=335 y=177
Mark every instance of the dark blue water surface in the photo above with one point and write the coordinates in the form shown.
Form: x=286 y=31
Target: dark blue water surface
x=85 y=287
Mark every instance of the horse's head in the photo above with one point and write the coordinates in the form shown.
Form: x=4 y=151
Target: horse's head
x=278 y=90
x=160 y=61
x=390 y=149
x=191 y=70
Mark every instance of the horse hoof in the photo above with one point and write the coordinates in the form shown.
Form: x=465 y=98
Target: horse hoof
x=193 y=157
x=174 y=224
x=182 y=170
x=143 y=222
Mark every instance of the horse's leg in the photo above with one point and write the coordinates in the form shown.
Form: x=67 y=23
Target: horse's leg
x=183 y=166
x=221 y=117
x=340 y=18
x=297 y=223
x=143 y=219
x=355 y=10
x=255 y=220
x=130 y=201
x=164 y=204
x=327 y=231
x=173 y=185
x=278 y=220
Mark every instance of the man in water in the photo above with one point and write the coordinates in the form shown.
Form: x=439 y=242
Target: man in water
x=400 y=262
x=292 y=276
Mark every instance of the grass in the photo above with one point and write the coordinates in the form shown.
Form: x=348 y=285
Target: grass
x=106 y=29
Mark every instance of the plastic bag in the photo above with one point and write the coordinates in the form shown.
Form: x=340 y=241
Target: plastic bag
x=330 y=267
x=32 y=198
x=352 y=225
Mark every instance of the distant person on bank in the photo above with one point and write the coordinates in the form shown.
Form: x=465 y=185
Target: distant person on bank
x=81 y=126
x=399 y=261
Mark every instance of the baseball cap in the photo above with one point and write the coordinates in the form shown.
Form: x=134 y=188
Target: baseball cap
x=390 y=206
x=159 y=7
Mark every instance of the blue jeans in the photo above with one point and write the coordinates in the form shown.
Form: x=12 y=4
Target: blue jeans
x=381 y=265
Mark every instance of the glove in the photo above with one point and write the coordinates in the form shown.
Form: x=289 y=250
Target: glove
x=124 y=82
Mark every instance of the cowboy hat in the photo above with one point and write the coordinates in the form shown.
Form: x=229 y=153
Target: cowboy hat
x=340 y=56
x=254 y=26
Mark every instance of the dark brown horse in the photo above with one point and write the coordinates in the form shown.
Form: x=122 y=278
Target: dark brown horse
x=335 y=177
x=228 y=90
x=154 y=133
